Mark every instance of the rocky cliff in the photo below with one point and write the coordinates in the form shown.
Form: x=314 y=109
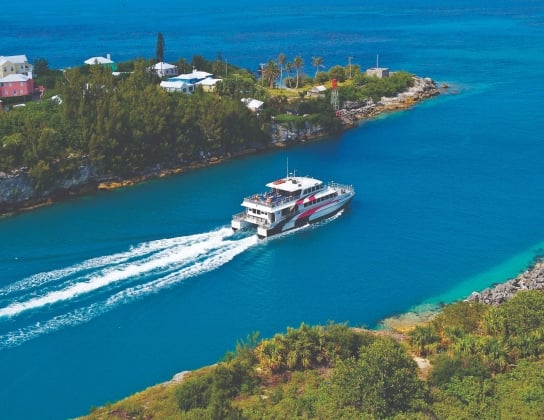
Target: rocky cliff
x=17 y=189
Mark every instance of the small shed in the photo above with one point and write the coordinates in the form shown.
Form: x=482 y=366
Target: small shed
x=317 y=91
x=379 y=72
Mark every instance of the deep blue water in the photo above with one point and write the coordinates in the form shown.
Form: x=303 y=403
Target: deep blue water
x=108 y=294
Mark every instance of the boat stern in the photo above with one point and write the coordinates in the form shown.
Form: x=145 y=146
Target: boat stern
x=238 y=221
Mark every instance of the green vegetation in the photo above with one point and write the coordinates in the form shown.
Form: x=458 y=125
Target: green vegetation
x=125 y=125
x=486 y=362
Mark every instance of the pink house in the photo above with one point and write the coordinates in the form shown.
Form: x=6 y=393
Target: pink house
x=15 y=76
x=16 y=85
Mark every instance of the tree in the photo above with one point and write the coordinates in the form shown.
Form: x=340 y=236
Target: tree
x=317 y=62
x=271 y=72
x=338 y=73
x=298 y=63
x=289 y=67
x=41 y=67
x=281 y=62
x=160 y=48
x=381 y=383
x=425 y=338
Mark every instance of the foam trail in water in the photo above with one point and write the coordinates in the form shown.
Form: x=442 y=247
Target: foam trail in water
x=169 y=256
x=220 y=251
x=140 y=250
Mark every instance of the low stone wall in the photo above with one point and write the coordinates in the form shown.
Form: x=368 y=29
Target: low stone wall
x=531 y=279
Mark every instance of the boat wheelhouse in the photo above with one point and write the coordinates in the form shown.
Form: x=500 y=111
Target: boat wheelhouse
x=292 y=202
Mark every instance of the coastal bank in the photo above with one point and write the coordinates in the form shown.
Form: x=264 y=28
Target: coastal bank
x=502 y=291
x=18 y=192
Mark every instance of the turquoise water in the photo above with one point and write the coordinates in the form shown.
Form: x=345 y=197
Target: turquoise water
x=108 y=294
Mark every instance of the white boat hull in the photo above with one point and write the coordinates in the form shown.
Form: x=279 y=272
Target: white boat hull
x=304 y=219
x=292 y=202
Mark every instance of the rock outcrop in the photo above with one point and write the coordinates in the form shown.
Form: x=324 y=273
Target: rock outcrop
x=423 y=88
x=17 y=189
x=531 y=279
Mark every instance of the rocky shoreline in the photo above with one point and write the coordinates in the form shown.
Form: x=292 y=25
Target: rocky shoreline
x=530 y=279
x=17 y=191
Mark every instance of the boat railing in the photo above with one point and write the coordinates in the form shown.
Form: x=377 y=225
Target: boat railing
x=338 y=186
x=269 y=199
x=239 y=216
x=245 y=216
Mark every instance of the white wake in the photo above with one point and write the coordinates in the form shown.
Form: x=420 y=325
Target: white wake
x=112 y=280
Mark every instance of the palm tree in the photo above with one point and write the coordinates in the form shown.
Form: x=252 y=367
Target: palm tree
x=298 y=63
x=281 y=61
x=317 y=62
x=425 y=338
x=271 y=72
x=289 y=68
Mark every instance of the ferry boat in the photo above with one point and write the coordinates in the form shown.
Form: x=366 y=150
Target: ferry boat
x=292 y=202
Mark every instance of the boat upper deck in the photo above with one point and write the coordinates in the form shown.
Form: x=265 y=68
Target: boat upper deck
x=294 y=183
x=291 y=189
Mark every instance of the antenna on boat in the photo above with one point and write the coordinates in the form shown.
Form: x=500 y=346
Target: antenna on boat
x=287 y=176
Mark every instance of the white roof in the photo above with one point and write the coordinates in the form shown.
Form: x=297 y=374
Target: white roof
x=98 y=60
x=163 y=66
x=13 y=59
x=319 y=88
x=294 y=183
x=196 y=74
x=252 y=103
x=209 y=81
x=15 y=78
x=178 y=84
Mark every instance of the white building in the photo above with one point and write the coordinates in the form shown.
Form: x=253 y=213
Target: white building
x=379 y=72
x=191 y=78
x=99 y=60
x=165 y=69
x=208 y=84
x=15 y=64
x=317 y=91
x=186 y=83
x=177 y=86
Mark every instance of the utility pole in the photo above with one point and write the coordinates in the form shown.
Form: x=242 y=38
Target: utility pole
x=349 y=60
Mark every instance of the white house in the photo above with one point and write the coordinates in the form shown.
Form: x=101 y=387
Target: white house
x=186 y=82
x=165 y=69
x=191 y=78
x=15 y=64
x=177 y=86
x=99 y=60
x=103 y=61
